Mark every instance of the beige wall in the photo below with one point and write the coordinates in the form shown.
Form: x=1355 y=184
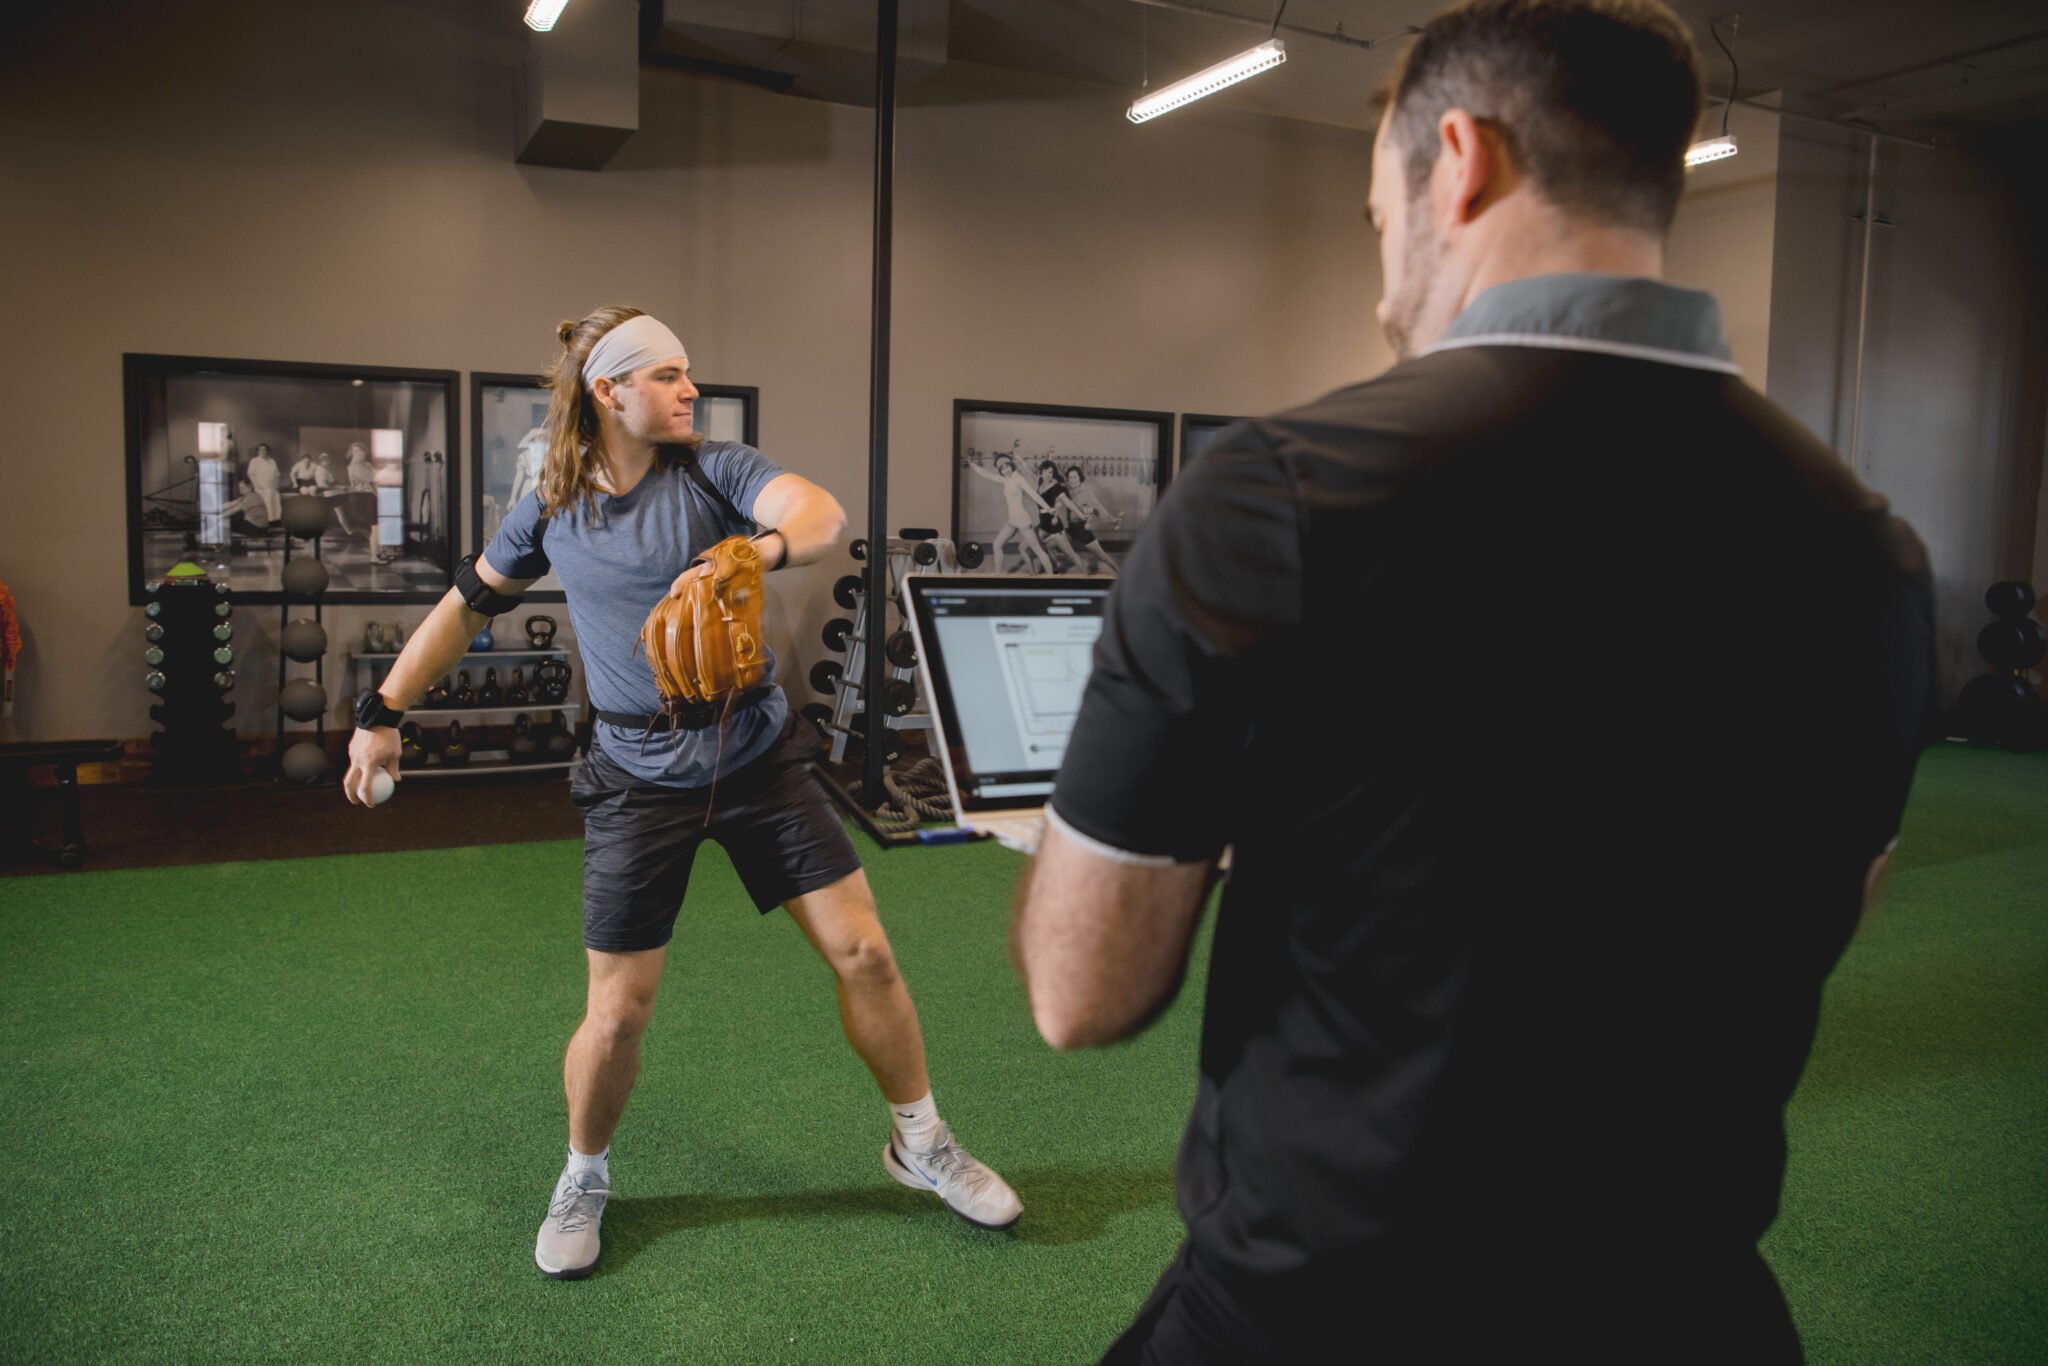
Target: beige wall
x=1722 y=238
x=1955 y=361
x=336 y=184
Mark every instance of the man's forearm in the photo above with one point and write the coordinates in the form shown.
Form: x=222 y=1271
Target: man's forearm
x=437 y=645
x=812 y=529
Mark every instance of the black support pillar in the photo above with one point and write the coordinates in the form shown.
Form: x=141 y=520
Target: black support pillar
x=877 y=664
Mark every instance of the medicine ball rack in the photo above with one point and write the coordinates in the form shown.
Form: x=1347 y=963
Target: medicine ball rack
x=304 y=762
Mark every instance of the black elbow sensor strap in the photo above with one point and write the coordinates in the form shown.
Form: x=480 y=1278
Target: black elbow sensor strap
x=480 y=596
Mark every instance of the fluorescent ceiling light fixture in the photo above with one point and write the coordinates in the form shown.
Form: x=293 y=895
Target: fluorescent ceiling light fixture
x=1250 y=62
x=541 y=14
x=1713 y=149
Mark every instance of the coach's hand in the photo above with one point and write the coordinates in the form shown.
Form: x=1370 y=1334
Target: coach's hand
x=370 y=752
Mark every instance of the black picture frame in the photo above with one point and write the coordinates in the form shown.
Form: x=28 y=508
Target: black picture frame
x=214 y=446
x=505 y=410
x=1125 y=458
x=1197 y=430
x=495 y=457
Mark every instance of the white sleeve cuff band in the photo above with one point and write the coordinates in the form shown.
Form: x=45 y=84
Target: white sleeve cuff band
x=1108 y=851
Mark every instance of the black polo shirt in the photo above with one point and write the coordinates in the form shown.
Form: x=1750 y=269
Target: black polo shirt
x=1555 y=690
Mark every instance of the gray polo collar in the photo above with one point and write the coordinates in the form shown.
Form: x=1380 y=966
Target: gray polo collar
x=1611 y=314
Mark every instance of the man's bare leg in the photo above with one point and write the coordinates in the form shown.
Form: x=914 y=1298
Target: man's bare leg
x=874 y=1006
x=881 y=1023
x=604 y=1056
x=597 y=1076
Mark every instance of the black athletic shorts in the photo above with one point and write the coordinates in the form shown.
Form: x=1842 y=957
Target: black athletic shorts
x=639 y=839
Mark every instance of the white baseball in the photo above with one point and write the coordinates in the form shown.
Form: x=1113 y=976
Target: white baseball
x=381 y=787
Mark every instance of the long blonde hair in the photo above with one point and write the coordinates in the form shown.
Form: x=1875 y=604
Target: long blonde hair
x=568 y=473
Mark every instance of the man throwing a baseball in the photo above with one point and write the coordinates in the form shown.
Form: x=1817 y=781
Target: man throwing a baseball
x=629 y=497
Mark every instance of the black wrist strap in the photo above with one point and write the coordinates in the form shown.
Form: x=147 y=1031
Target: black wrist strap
x=373 y=711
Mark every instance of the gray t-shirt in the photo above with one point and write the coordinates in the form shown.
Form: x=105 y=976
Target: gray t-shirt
x=615 y=565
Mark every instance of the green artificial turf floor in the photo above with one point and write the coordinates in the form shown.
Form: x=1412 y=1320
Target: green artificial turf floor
x=311 y=1110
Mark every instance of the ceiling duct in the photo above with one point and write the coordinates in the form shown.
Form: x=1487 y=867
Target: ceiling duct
x=821 y=49
x=579 y=97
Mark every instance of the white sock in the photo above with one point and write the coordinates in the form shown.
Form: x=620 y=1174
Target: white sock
x=916 y=1124
x=586 y=1162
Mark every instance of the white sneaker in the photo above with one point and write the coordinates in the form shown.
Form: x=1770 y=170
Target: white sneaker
x=567 y=1247
x=948 y=1171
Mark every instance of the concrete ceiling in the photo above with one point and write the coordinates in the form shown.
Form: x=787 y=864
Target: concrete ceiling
x=1911 y=67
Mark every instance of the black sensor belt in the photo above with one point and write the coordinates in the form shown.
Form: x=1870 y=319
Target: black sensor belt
x=689 y=716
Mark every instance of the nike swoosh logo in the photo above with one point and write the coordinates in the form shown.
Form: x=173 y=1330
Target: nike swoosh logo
x=909 y=1166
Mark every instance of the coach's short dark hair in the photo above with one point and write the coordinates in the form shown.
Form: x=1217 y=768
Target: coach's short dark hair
x=1596 y=99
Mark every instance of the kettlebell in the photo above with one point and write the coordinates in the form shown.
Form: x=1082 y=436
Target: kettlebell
x=540 y=631
x=465 y=695
x=524 y=747
x=515 y=691
x=484 y=640
x=440 y=695
x=374 y=642
x=411 y=752
x=455 y=749
x=561 y=744
x=551 y=681
x=490 y=695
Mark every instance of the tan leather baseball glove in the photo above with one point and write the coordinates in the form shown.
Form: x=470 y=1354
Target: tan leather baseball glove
x=705 y=645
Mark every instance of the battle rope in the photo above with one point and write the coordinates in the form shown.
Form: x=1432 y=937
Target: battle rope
x=916 y=792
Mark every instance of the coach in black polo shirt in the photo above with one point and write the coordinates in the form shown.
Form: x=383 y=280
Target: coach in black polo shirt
x=1558 y=695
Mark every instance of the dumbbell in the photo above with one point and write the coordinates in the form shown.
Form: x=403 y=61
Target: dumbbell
x=926 y=552
x=859 y=549
x=902 y=650
x=846 y=592
x=971 y=554
x=825 y=675
x=818 y=714
x=899 y=696
x=837 y=631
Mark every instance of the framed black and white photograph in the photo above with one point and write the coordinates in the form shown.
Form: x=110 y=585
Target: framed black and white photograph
x=215 y=446
x=508 y=415
x=1197 y=430
x=1055 y=490
x=729 y=412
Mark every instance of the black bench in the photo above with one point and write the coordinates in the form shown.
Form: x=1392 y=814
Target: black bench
x=17 y=757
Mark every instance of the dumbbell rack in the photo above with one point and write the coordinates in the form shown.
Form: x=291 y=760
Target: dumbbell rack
x=188 y=620
x=845 y=681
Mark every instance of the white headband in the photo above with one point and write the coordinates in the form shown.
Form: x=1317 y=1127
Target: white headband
x=633 y=345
